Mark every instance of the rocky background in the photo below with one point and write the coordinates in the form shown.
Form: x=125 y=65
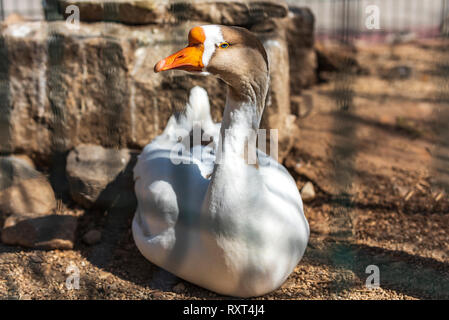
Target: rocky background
x=80 y=103
x=360 y=129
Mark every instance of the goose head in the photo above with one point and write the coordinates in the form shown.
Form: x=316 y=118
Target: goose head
x=233 y=54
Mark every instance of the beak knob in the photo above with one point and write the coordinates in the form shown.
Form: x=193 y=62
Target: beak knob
x=159 y=66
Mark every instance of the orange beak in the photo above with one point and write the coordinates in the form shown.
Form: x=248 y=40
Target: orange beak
x=188 y=59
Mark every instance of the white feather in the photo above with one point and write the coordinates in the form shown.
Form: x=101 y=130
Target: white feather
x=213 y=38
x=239 y=233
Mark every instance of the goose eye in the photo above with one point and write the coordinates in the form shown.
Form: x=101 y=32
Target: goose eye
x=224 y=45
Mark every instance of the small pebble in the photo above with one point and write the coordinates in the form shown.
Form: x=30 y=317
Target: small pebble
x=157 y=295
x=308 y=192
x=36 y=259
x=180 y=287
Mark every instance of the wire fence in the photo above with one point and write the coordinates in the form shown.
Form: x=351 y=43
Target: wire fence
x=29 y=9
x=422 y=18
x=342 y=20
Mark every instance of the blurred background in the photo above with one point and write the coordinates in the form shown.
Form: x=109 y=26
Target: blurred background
x=359 y=94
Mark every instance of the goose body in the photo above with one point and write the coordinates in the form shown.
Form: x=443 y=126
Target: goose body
x=204 y=212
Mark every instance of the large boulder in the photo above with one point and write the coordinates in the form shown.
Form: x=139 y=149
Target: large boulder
x=96 y=85
x=125 y=11
x=23 y=189
x=302 y=55
x=50 y=231
x=27 y=207
x=100 y=177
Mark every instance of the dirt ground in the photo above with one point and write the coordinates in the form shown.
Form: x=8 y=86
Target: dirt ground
x=376 y=168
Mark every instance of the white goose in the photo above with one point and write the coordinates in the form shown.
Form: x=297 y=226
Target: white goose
x=234 y=228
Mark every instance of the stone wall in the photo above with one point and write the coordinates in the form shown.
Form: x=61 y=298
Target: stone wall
x=228 y=12
x=82 y=103
x=96 y=85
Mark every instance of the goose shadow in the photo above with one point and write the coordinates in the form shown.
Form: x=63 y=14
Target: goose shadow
x=413 y=275
x=117 y=245
x=117 y=252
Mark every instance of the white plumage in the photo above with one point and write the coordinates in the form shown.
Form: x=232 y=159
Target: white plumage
x=208 y=216
x=245 y=253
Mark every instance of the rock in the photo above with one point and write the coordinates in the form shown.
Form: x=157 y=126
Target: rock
x=400 y=190
x=277 y=114
x=36 y=259
x=101 y=177
x=290 y=283
x=40 y=231
x=302 y=105
x=303 y=73
x=27 y=202
x=128 y=12
x=97 y=85
x=23 y=190
x=305 y=292
x=92 y=237
x=179 y=288
x=98 y=90
x=336 y=58
x=302 y=56
x=235 y=12
x=158 y=295
x=398 y=73
x=308 y=192
x=25 y=158
x=274 y=40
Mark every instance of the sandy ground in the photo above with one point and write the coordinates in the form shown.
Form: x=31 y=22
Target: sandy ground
x=378 y=202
